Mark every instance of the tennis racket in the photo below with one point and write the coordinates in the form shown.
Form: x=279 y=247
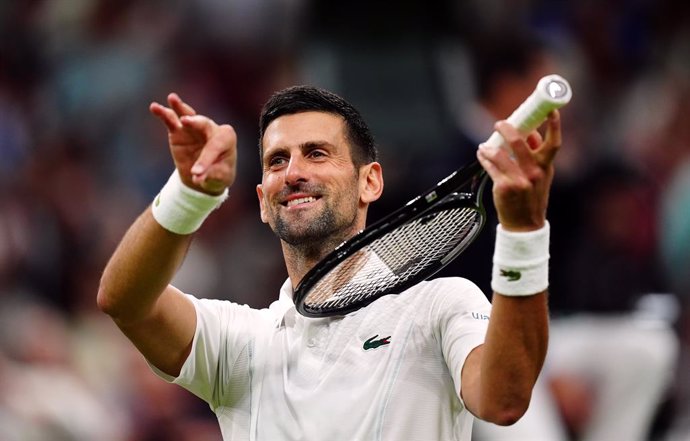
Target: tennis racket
x=419 y=239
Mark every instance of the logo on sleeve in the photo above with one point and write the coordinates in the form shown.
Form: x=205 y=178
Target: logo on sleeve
x=511 y=275
x=373 y=344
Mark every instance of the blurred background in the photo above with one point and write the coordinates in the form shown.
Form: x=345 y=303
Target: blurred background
x=81 y=157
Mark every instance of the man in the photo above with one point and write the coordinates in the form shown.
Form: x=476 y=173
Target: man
x=412 y=366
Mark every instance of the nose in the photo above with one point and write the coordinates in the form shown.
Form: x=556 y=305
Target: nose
x=296 y=170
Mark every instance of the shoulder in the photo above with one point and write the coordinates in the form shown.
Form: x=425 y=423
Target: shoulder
x=449 y=289
x=449 y=298
x=227 y=312
x=432 y=300
x=443 y=284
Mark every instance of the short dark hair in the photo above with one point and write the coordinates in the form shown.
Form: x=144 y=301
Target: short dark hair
x=297 y=99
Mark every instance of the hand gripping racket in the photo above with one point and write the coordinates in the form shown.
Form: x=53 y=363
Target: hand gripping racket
x=419 y=239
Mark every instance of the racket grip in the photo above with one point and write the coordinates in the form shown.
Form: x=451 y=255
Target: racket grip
x=552 y=92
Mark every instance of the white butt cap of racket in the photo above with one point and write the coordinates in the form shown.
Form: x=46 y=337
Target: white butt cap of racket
x=552 y=92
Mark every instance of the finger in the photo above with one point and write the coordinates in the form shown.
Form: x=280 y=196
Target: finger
x=534 y=140
x=552 y=141
x=487 y=164
x=221 y=144
x=496 y=162
x=180 y=107
x=218 y=176
x=167 y=115
x=519 y=148
x=204 y=127
x=219 y=171
x=212 y=155
x=513 y=138
x=198 y=122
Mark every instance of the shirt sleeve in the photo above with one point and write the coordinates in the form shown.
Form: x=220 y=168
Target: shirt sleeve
x=220 y=358
x=462 y=312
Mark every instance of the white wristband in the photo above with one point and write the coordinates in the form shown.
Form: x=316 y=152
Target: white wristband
x=521 y=262
x=181 y=209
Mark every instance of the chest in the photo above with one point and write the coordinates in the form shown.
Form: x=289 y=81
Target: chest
x=361 y=370
x=343 y=353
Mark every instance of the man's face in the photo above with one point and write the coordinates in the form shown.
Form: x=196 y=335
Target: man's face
x=310 y=189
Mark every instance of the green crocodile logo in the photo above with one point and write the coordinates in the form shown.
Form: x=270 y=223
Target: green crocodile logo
x=373 y=344
x=511 y=275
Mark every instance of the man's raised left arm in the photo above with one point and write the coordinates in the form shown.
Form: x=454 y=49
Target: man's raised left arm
x=498 y=376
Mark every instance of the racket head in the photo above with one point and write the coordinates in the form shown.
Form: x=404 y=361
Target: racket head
x=399 y=251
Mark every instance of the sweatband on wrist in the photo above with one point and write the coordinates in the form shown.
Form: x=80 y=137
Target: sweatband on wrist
x=181 y=209
x=521 y=262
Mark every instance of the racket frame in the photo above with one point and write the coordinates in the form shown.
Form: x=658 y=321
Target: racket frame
x=441 y=197
x=552 y=92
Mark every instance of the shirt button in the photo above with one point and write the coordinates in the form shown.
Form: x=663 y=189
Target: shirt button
x=311 y=342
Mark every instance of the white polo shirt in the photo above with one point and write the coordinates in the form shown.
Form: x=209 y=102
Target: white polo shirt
x=389 y=371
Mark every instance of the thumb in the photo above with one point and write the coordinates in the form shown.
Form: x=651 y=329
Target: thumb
x=552 y=140
x=221 y=145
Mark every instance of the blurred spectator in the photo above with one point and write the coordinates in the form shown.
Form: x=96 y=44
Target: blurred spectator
x=42 y=396
x=612 y=340
x=675 y=237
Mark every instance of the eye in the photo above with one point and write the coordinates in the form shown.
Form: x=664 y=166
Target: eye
x=276 y=161
x=317 y=154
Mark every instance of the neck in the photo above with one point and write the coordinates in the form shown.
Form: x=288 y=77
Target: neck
x=301 y=258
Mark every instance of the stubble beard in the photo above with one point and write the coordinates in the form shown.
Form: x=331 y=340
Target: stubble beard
x=316 y=236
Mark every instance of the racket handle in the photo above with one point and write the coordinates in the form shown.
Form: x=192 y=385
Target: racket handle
x=552 y=92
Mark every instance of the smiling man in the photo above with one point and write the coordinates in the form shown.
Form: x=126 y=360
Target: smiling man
x=419 y=365
x=314 y=193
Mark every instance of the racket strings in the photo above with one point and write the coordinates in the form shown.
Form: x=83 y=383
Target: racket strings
x=395 y=258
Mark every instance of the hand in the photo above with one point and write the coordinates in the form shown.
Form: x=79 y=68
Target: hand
x=522 y=182
x=205 y=153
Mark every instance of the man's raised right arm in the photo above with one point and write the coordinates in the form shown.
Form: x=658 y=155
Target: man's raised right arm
x=135 y=286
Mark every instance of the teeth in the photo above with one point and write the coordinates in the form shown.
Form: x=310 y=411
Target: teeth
x=300 y=201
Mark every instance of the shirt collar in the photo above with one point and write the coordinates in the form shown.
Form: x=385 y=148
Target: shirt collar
x=286 y=305
x=286 y=292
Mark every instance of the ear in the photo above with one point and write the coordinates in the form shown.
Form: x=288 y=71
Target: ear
x=262 y=206
x=370 y=182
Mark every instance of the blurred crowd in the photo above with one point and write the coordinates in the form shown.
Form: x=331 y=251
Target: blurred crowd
x=81 y=157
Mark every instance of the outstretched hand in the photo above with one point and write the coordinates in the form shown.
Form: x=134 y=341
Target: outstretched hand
x=204 y=152
x=522 y=181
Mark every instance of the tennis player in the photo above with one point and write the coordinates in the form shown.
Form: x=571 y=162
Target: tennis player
x=415 y=366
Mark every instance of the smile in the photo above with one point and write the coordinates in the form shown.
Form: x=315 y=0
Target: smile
x=298 y=201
